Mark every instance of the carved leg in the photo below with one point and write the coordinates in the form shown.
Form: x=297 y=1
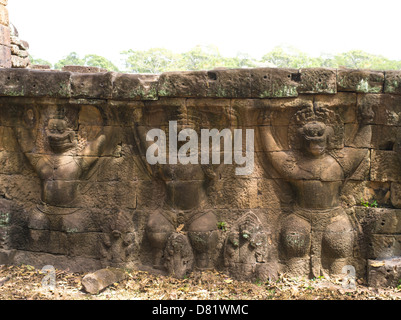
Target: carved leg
x=295 y=242
x=158 y=230
x=337 y=244
x=203 y=235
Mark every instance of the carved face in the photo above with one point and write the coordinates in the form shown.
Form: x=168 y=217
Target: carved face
x=61 y=138
x=315 y=138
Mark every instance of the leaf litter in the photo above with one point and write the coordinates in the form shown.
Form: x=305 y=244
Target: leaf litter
x=24 y=282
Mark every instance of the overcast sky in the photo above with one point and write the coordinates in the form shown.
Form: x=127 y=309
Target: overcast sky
x=55 y=28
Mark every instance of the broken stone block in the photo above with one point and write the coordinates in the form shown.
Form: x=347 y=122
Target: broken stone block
x=384 y=273
x=99 y=280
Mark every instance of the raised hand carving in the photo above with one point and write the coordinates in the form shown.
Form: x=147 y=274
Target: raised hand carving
x=64 y=162
x=317 y=235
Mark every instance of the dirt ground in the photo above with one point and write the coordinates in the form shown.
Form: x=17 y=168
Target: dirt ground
x=25 y=283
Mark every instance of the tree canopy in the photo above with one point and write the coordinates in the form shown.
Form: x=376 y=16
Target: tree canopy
x=157 y=60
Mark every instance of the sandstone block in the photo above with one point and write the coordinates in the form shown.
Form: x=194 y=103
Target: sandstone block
x=47 y=83
x=274 y=83
x=396 y=194
x=34 y=83
x=135 y=87
x=318 y=80
x=384 y=273
x=183 y=84
x=385 y=166
x=4 y=20
x=91 y=85
x=386 y=108
x=365 y=81
x=5 y=35
x=5 y=57
x=392 y=83
x=97 y=281
x=83 y=69
x=234 y=83
x=19 y=62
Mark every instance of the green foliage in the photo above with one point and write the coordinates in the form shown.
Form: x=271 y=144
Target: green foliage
x=90 y=60
x=158 y=60
x=40 y=61
x=155 y=60
x=221 y=225
x=70 y=60
x=366 y=204
x=93 y=60
x=289 y=57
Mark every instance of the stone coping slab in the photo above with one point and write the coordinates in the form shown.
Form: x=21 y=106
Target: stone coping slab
x=255 y=83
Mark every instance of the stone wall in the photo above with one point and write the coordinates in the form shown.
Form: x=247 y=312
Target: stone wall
x=13 y=50
x=5 y=41
x=77 y=191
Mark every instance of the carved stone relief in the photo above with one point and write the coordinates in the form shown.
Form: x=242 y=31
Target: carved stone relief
x=76 y=187
x=185 y=205
x=316 y=238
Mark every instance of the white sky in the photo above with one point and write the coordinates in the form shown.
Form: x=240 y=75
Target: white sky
x=54 y=28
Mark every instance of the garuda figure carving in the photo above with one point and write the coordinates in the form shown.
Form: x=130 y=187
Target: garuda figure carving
x=317 y=237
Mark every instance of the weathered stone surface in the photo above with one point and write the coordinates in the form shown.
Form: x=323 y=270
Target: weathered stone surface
x=135 y=87
x=392 y=83
x=234 y=83
x=73 y=165
x=40 y=67
x=4 y=20
x=318 y=80
x=86 y=85
x=94 y=283
x=365 y=81
x=385 y=166
x=34 y=83
x=384 y=273
x=183 y=84
x=5 y=35
x=274 y=83
x=5 y=56
x=396 y=194
x=19 y=62
x=386 y=108
x=83 y=69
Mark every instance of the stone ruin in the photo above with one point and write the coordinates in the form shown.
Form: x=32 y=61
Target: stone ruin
x=324 y=195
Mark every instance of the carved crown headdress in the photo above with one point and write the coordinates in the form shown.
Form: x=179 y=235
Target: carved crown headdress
x=327 y=122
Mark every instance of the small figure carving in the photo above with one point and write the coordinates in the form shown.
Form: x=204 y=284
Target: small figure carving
x=178 y=255
x=246 y=247
x=317 y=235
